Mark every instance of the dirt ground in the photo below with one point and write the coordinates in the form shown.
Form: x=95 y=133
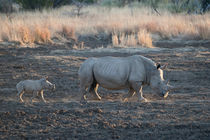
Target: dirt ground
x=185 y=114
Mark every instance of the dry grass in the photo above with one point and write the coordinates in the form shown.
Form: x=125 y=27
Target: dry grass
x=115 y=40
x=126 y=29
x=144 y=38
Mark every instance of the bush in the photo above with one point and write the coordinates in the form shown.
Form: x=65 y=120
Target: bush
x=45 y=4
x=8 y=6
x=35 y=4
x=205 y=5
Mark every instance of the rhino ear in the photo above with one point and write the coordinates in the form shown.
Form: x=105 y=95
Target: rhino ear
x=158 y=66
x=46 y=77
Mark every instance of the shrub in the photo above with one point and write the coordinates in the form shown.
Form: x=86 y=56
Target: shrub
x=144 y=38
x=68 y=32
x=8 y=6
x=35 y=4
x=205 y=5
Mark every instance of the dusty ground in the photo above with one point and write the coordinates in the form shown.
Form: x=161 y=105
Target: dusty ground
x=185 y=114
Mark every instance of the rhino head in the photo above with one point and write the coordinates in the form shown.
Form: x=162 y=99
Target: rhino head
x=158 y=84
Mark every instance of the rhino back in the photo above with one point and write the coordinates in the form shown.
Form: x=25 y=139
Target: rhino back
x=112 y=72
x=138 y=70
x=32 y=85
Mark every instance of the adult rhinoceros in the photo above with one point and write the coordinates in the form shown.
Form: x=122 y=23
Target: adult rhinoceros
x=116 y=73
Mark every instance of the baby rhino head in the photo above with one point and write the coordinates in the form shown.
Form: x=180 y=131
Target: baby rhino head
x=47 y=85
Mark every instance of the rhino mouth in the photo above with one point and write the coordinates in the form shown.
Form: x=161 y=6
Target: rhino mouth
x=165 y=95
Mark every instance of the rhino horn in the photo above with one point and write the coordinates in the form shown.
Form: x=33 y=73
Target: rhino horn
x=162 y=67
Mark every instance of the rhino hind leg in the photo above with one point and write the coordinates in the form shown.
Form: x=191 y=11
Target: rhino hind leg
x=93 y=90
x=85 y=82
x=20 y=95
x=83 y=92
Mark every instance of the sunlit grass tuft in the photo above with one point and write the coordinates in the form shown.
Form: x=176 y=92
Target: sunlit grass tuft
x=144 y=38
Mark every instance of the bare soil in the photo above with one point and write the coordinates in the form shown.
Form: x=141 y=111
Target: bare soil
x=185 y=114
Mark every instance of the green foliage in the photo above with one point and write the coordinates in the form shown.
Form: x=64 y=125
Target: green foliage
x=87 y=1
x=45 y=4
x=174 y=6
x=189 y=6
x=205 y=5
x=7 y=6
x=58 y=3
x=35 y=4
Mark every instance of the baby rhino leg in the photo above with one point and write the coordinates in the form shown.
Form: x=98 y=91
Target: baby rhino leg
x=42 y=95
x=20 y=94
x=35 y=94
x=20 y=90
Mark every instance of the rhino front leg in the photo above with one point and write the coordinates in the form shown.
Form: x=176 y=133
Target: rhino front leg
x=137 y=86
x=140 y=96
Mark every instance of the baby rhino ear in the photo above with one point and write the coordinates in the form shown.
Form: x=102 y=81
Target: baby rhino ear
x=45 y=78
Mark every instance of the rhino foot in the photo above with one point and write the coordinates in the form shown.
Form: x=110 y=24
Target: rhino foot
x=125 y=100
x=142 y=99
x=96 y=97
x=83 y=100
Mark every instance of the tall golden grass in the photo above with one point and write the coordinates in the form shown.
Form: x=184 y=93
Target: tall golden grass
x=125 y=27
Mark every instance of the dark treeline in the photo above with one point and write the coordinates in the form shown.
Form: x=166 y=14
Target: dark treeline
x=196 y=6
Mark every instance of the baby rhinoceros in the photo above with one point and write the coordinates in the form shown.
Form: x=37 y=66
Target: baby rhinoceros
x=35 y=87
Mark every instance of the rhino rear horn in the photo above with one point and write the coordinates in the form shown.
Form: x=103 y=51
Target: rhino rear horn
x=161 y=67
